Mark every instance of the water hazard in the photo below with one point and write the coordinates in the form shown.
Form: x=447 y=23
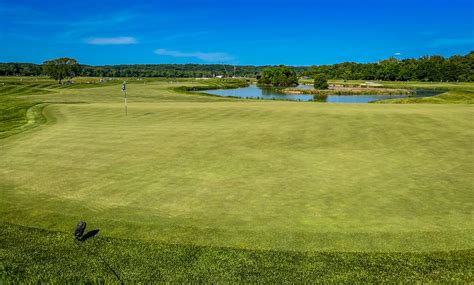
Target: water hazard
x=265 y=93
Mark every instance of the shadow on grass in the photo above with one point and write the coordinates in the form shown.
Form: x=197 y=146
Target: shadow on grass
x=89 y=234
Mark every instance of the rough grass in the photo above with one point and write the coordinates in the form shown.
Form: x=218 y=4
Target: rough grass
x=30 y=255
x=195 y=188
x=13 y=113
x=449 y=97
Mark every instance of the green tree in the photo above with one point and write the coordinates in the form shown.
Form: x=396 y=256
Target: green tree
x=320 y=82
x=281 y=76
x=61 y=68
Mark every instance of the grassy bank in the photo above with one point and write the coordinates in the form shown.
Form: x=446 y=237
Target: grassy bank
x=30 y=255
x=212 y=84
x=20 y=94
x=349 y=91
x=454 y=92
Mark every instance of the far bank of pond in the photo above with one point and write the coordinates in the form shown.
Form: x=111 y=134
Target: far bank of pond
x=269 y=93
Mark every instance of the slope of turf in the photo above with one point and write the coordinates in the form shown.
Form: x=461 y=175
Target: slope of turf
x=18 y=95
x=249 y=174
x=33 y=255
x=456 y=93
x=257 y=191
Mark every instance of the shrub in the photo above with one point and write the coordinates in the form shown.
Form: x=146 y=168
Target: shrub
x=320 y=82
x=280 y=76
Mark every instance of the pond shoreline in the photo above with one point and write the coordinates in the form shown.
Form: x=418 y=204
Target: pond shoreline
x=349 y=91
x=302 y=94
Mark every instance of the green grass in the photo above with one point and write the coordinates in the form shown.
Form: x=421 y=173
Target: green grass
x=200 y=188
x=456 y=92
x=36 y=255
x=13 y=114
x=324 y=93
x=449 y=97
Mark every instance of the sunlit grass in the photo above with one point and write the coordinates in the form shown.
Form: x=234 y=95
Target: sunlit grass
x=218 y=189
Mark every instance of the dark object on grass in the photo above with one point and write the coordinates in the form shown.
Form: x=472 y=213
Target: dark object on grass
x=80 y=228
x=79 y=232
x=89 y=234
x=80 y=237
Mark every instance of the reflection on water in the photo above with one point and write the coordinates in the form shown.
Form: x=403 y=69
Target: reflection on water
x=270 y=93
x=254 y=92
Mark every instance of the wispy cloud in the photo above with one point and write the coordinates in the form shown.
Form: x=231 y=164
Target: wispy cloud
x=112 y=41
x=447 y=42
x=205 y=56
x=74 y=29
x=397 y=54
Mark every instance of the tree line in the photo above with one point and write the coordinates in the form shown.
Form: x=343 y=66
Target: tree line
x=427 y=68
x=146 y=70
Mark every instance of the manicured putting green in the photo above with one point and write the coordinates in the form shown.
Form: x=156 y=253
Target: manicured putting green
x=256 y=175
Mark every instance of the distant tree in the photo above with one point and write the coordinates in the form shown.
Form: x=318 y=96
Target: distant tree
x=61 y=68
x=320 y=82
x=278 y=76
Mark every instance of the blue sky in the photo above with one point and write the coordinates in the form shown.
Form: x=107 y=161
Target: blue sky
x=293 y=32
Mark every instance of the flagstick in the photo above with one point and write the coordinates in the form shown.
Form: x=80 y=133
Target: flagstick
x=124 y=89
x=125 y=92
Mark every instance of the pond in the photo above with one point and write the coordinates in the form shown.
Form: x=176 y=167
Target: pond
x=255 y=92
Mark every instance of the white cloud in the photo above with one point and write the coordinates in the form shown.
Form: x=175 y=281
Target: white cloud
x=205 y=56
x=112 y=41
x=397 y=54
